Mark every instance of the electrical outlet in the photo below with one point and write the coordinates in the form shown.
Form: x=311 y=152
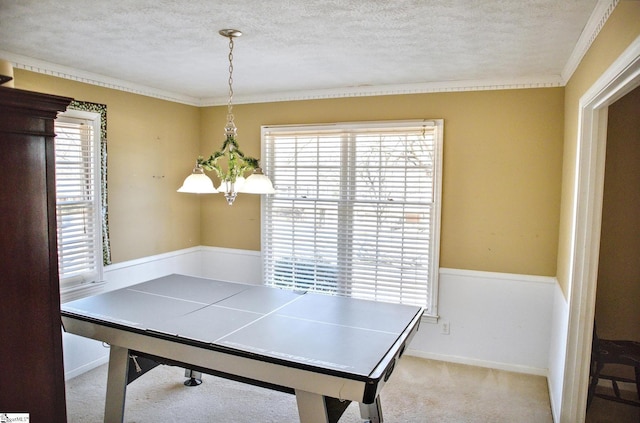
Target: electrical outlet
x=444 y=328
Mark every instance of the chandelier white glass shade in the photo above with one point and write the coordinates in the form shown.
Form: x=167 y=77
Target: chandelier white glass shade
x=232 y=180
x=257 y=183
x=198 y=182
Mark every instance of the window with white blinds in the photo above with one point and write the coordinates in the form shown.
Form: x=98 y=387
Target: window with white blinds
x=78 y=198
x=356 y=210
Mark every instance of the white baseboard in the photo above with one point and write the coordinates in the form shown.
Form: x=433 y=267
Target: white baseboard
x=478 y=363
x=86 y=367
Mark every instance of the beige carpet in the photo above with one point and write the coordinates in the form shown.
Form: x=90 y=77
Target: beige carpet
x=419 y=391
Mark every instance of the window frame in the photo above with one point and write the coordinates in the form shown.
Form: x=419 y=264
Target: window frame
x=74 y=288
x=431 y=308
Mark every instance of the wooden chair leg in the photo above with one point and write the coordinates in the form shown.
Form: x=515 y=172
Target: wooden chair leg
x=593 y=384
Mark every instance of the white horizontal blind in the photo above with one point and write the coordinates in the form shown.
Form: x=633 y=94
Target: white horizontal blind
x=355 y=210
x=77 y=201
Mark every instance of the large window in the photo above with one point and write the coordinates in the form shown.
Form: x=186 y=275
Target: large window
x=78 y=199
x=356 y=210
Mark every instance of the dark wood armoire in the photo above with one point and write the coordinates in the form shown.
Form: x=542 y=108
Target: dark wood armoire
x=31 y=365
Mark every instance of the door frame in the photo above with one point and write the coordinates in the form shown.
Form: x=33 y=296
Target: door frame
x=622 y=77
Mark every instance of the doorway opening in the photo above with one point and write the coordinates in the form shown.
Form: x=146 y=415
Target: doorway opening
x=621 y=78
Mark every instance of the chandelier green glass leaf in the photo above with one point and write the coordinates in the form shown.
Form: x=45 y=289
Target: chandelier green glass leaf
x=229 y=163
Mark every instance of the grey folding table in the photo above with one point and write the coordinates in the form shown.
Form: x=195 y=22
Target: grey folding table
x=327 y=350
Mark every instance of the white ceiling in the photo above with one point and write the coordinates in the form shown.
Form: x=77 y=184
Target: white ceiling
x=295 y=49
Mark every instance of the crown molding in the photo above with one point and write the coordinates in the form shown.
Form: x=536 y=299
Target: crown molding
x=40 y=66
x=47 y=68
x=598 y=18
x=594 y=25
x=401 y=89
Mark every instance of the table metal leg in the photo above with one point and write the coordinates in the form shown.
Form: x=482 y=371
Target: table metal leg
x=195 y=377
x=372 y=412
x=116 y=384
x=311 y=407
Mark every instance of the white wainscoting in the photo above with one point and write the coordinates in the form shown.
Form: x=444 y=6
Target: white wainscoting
x=558 y=351
x=495 y=320
x=227 y=264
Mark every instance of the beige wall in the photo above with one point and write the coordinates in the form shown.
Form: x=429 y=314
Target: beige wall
x=616 y=35
x=502 y=170
x=501 y=185
x=618 y=294
x=152 y=145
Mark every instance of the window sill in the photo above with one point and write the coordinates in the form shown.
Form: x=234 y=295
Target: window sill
x=430 y=319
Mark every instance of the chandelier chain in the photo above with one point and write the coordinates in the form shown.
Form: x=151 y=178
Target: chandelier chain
x=229 y=104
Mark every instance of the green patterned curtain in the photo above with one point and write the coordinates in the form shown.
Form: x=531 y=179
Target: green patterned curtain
x=102 y=110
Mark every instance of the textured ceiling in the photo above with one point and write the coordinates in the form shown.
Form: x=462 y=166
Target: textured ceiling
x=294 y=47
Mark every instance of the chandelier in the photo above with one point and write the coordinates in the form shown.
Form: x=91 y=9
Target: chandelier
x=229 y=163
